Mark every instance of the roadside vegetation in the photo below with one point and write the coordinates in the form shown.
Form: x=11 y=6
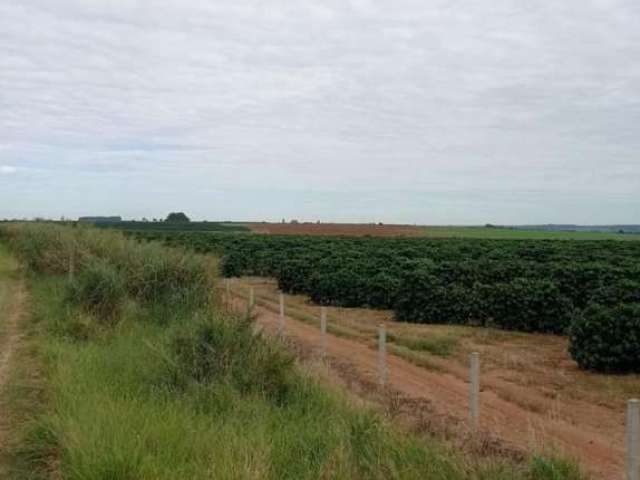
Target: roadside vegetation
x=147 y=378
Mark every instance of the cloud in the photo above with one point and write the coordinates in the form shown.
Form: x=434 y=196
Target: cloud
x=463 y=102
x=7 y=169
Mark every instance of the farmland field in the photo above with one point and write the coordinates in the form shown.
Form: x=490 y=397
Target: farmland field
x=368 y=230
x=517 y=234
x=535 y=396
x=174 y=227
x=148 y=376
x=330 y=229
x=380 y=230
x=537 y=361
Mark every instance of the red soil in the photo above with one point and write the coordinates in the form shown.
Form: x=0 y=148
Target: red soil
x=521 y=418
x=346 y=229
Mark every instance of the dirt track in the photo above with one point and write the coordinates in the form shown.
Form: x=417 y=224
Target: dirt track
x=597 y=443
x=12 y=307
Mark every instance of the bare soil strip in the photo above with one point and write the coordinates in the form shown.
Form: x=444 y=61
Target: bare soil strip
x=597 y=445
x=345 y=229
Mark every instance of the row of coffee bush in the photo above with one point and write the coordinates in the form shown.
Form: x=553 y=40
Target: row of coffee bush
x=524 y=285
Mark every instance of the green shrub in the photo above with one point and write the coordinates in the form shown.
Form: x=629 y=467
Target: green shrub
x=423 y=298
x=524 y=305
x=607 y=339
x=99 y=289
x=218 y=350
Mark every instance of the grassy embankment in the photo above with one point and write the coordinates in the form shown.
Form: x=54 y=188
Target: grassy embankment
x=146 y=378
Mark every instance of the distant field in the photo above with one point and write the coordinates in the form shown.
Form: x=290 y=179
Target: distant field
x=346 y=229
x=176 y=227
x=509 y=233
x=375 y=230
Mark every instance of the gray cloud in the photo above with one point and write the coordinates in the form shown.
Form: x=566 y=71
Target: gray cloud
x=409 y=111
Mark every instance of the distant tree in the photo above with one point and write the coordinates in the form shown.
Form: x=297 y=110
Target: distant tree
x=177 y=217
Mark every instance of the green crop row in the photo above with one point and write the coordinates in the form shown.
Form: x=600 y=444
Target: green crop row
x=159 y=226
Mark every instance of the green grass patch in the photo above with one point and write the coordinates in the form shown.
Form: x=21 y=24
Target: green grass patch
x=442 y=346
x=516 y=234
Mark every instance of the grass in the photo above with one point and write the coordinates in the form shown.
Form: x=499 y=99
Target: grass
x=112 y=414
x=21 y=386
x=513 y=234
x=333 y=328
x=187 y=391
x=417 y=358
x=7 y=269
x=441 y=346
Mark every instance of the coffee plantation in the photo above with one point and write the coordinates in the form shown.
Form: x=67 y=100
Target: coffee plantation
x=525 y=285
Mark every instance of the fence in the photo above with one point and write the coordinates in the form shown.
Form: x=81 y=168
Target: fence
x=633 y=405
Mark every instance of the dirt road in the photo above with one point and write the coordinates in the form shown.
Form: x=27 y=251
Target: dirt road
x=598 y=444
x=12 y=307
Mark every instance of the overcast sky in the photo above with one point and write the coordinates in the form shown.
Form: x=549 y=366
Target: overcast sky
x=406 y=111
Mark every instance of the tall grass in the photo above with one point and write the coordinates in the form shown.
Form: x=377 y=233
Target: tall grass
x=197 y=394
x=151 y=273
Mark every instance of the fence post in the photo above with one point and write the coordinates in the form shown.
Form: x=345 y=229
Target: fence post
x=72 y=265
x=281 y=326
x=633 y=439
x=323 y=331
x=382 y=354
x=252 y=300
x=474 y=390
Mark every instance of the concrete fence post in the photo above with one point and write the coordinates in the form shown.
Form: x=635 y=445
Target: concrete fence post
x=252 y=299
x=281 y=326
x=382 y=355
x=633 y=439
x=474 y=390
x=323 y=331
